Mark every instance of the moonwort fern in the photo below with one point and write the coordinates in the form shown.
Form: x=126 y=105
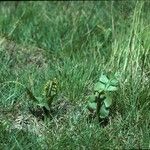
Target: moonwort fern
x=44 y=103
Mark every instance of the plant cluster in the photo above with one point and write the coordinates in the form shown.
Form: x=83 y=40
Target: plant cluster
x=42 y=105
x=100 y=100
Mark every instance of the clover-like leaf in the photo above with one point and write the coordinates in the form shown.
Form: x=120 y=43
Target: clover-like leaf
x=114 y=82
x=91 y=98
x=111 y=88
x=92 y=106
x=103 y=79
x=99 y=87
x=108 y=101
x=104 y=112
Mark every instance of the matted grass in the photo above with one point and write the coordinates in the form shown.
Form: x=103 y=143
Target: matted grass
x=74 y=42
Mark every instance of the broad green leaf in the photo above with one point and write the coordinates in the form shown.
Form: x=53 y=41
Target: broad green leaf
x=92 y=105
x=112 y=88
x=114 y=82
x=108 y=102
x=99 y=87
x=91 y=98
x=104 y=112
x=103 y=79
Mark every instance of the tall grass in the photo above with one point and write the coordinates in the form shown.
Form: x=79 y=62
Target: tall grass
x=75 y=42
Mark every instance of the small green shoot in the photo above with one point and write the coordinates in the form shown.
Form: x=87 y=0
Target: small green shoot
x=45 y=101
x=100 y=101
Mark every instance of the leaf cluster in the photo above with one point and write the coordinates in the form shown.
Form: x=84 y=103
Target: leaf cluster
x=101 y=100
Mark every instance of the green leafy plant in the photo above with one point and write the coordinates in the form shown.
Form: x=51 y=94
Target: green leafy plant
x=43 y=104
x=101 y=100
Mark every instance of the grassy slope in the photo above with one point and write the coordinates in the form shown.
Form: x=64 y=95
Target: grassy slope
x=75 y=42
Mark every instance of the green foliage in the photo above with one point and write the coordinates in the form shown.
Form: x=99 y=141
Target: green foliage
x=101 y=100
x=46 y=99
x=74 y=41
x=50 y=91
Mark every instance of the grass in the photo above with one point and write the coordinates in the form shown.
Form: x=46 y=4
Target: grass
x=75 y=42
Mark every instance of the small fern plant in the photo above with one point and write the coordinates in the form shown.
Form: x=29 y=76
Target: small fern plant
x=50 y=91
x=100 y=101
x=44 y=102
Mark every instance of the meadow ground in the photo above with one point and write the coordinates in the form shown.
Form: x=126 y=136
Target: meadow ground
x=74 y=42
